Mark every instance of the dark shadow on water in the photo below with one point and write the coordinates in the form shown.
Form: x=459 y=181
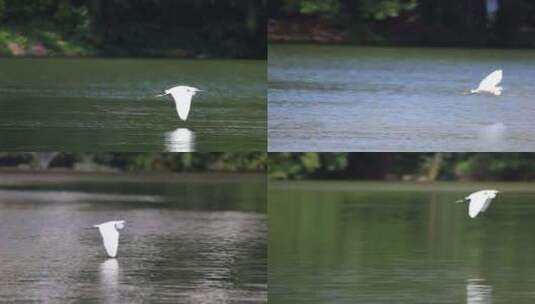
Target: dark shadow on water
x=180 y=140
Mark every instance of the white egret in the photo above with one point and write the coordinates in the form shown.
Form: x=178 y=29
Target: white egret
x=479 y=201
x=489 y=85
x=182 y=96
x=110 y=236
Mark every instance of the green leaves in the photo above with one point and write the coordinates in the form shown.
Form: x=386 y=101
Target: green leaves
x=383 y=9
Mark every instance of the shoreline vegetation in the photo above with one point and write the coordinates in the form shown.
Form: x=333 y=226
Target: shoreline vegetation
x=433 y=23
x=222 y=162
x=403 y=167
x=117 y=28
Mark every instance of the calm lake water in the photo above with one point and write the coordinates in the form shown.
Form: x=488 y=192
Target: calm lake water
x=187 y=239
x=399 y=243
x=330 y=98
x=109 y=105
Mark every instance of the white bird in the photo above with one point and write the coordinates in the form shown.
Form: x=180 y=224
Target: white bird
x=479 y=201
x=110 y=236
x=489 y=85
x=182 y=96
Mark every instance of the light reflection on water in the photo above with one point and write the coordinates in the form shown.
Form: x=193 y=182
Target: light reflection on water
x=477 y=292
x=180 y=140
x=109 y=280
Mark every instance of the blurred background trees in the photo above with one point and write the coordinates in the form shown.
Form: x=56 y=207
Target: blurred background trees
x=176 y=162
x=502 y=23
x=203 y=28
x=403 y=166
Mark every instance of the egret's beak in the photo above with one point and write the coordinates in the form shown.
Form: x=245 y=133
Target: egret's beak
x=460 y=201
x=161 y=95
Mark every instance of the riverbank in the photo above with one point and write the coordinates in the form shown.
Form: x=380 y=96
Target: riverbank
x=397 y=186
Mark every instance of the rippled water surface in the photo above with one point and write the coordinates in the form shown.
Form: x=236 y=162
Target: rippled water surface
x=399 y=243
x=192 y=239
x=109 y=105
x=330 y=98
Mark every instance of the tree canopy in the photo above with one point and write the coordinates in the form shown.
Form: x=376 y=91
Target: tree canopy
x=403 y=166
x=143 y=27
x=502 y=23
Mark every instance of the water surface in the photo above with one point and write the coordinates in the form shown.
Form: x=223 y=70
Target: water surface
x=187 y=239
x=332 y=98
x=399 y=243
x=109 y=105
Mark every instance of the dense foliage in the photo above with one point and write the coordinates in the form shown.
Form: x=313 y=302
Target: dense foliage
x=407 y=166
x=178 y=162
x=429 y=22
x=228 y=28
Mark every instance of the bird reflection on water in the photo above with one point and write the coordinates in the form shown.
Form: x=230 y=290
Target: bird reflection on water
x=477 y=292
x=109 y=280
x=180 y=140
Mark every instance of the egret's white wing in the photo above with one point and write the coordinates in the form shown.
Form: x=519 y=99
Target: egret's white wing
x=110 y=238
x=183 y=103
x=477 y=204
x=487 y=204
x=491 y=81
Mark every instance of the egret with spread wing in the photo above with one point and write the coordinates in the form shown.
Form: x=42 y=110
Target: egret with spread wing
x=182 y=96
x=479 y=201
x=489 y=85
x=110 y=236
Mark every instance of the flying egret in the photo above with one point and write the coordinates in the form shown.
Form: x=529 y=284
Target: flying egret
x=182 y=96
x=489 y=85
x=479 y=201
x=110 y=236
